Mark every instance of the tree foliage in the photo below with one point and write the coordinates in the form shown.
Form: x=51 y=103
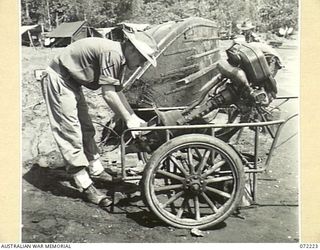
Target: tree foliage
x=279 y=13
x=267 y=14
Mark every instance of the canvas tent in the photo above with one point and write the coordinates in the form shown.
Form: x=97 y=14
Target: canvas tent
x=116 y=33
x=135 y=26
x=67 y=33
x=106 y=32
x=30 y=34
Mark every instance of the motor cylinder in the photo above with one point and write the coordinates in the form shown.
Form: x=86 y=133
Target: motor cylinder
x=238 y=87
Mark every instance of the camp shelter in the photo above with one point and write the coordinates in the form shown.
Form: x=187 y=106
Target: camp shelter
x=116 y=34
x=106 y=32
x=30 y=34
x=285 y=31
x=67 y=33
x=135 y=26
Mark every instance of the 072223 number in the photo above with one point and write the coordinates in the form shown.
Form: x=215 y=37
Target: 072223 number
x=309 y=245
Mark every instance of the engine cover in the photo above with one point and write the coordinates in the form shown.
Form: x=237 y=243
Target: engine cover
x=251 y=60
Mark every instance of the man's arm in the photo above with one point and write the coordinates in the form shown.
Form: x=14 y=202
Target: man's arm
x=116 y=103
x=119 y=105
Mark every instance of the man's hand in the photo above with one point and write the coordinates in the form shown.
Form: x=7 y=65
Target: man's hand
x=120 y=106
x=135 y=122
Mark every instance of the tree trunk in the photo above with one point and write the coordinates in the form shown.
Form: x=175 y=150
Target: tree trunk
x=49 y=17
x=27 y=10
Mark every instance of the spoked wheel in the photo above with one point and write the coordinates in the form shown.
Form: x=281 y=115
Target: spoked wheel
x=193 y=180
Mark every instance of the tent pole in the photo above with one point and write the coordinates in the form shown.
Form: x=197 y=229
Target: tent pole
x=30 y=39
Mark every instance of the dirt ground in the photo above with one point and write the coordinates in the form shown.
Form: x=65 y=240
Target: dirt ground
x=53 y=211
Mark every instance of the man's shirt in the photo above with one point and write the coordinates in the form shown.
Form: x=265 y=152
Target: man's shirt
x=93 y=62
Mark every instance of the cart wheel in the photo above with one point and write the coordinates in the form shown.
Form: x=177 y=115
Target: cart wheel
x=193 y=180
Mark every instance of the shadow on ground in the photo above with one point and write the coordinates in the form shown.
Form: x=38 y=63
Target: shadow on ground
x=49 y=180
x=126 y=196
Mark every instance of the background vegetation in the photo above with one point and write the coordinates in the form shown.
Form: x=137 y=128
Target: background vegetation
x=265 y=14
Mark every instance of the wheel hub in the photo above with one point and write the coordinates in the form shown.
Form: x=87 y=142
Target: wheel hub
x=194 y=184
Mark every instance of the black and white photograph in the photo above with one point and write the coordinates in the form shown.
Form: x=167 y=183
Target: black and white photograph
x=160 y=121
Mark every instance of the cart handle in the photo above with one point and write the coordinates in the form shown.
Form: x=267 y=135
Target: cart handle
x=275 y=141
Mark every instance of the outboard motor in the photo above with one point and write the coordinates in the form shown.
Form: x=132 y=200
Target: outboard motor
x=250 y=81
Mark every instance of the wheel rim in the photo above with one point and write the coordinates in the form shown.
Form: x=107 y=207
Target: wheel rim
x=194 y=185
